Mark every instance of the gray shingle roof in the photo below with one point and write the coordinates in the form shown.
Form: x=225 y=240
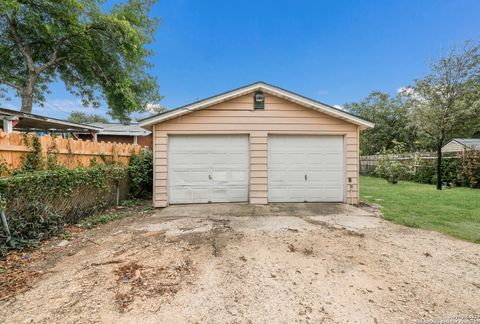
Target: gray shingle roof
x=121 y=129
x=472 y=143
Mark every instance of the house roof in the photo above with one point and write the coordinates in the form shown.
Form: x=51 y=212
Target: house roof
x=33 y=122
x=121 y=129
x=471 y=143
x=265 y=87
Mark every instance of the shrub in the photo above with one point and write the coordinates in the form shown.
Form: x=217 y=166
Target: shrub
x=32 y=160
x=39 y=204
x=451 y=171
x=424 y=173
x=390 y=169
x=140 y=171
x=470 y=168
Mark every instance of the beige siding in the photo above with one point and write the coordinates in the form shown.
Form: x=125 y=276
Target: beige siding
x=238 y=117
x=453 y=146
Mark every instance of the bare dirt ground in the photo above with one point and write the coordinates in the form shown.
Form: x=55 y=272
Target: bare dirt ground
x=152 y=268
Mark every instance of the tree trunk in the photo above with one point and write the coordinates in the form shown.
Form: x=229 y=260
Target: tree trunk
x=439 y=166
x=27 y=94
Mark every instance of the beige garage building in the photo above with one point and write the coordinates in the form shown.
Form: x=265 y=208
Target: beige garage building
x=257 y=143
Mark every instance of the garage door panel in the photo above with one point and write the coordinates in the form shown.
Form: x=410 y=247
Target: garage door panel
x=327 y=195
x=184 y=177
x=325 y=176
x=286 y=177
x=229 y=194
x=281 y=194
x=189 y=194
x=208 y=168
x=333 y=168
x=192 y=159
x=239 y=176
x=305 y=168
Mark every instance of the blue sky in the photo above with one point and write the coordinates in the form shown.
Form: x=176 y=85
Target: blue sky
x=332 y=51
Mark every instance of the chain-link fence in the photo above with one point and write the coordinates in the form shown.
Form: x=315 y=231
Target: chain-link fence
x=35 y=211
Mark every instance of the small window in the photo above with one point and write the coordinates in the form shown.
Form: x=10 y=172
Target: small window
x=258 y=100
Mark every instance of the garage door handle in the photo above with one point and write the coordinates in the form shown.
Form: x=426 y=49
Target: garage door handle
x=305 y=177
x=209 y=177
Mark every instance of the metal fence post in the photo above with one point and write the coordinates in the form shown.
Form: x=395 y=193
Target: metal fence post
x=6 y=229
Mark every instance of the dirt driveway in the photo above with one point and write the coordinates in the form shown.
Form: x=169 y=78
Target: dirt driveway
x=236 y=263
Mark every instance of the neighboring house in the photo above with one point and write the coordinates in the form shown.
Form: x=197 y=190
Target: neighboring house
x=459 y=145
x=258 y=143
x=129 y=133
x=13 y=120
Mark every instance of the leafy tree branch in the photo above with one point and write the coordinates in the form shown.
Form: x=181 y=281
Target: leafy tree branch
x=98 y=55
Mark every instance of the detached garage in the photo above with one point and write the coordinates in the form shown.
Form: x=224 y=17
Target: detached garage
x=256 y=144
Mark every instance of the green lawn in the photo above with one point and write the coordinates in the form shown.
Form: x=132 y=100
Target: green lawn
x=451 y=211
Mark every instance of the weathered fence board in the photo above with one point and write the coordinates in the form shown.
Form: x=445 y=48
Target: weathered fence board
x=70 y=153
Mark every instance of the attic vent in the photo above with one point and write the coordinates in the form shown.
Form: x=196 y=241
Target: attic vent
x=258 y=100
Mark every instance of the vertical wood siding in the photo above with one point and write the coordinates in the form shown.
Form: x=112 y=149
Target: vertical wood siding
x=238 y=117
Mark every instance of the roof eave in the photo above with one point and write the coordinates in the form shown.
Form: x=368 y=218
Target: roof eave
x=48 y=120
x=124 y=133
x=149 y=122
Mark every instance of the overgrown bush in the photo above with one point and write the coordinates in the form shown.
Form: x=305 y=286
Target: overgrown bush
x=426 y=172
x=451 y=171
x=389 y=168
x=140 y=171
x=470 y=168
x=32 y=160
x=39 y=204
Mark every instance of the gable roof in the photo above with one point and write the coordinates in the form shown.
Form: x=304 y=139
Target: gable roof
x=265 y=87
x=471 y=143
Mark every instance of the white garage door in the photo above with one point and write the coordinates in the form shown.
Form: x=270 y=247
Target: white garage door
x=305 y=168
x=208 y=168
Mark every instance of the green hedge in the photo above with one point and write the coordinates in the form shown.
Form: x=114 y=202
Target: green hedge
x=426 y=172
x=459 y=171
x=140 y=171
x=39 y=204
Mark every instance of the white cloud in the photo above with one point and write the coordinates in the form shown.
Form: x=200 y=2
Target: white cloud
x=409 y=92
x=152 y=107
x=338 y=107
x=404 y=90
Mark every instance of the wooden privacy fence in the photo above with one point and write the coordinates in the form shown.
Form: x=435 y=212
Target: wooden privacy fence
x=368 y=163
x=70 y=153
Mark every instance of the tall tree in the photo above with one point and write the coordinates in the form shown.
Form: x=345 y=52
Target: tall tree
x=98 y=54
x=390 y=116
x=446 y=102
x=83 y=118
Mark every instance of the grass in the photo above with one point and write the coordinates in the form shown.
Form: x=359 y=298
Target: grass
x=112 y=215
x=451 y=211
x=97 y=219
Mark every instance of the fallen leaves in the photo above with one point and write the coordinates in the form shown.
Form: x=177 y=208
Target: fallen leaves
x=135 y=280
x=16 y=275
